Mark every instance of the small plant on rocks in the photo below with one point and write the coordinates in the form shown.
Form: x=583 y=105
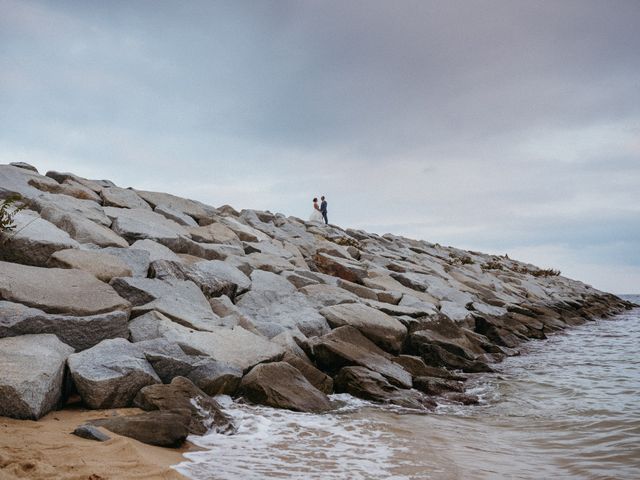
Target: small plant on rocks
x=8 y=209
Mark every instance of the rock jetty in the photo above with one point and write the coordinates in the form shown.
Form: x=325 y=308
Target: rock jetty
x=137 y=298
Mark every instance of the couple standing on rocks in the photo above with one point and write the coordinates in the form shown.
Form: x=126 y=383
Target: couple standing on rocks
x=319 y=213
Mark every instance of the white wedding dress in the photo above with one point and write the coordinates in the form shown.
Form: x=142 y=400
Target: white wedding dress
x=316 y=216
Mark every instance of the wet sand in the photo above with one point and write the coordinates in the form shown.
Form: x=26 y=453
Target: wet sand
x=46 y=449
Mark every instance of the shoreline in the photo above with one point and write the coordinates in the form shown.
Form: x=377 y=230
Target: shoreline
x=46 y=449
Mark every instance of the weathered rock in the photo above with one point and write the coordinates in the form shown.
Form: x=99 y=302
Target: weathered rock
x=261 y=261
x=164 y=429
x=349 y=270
x=156 y=251
x=110 y=374
x=315 y=377
x=139 y=224
x=31 y=375
x=236 y=346
x=280 y=385
x=194 y=209
x=183 y=397
x=136 y=259
x=209 y=251
x=87 y=209
x=382 y=329
x=82 y=229
x=210 y=285
x=77 y=190
x=33 y=241
x=57 y=290
x=369 y=385
x=216 y=378
x=122 y=198
x=28 y=184
x=25 y=165
x=167 y=359
x=327 y=295
x=78 y=332
x=359 y=290
x=175 y=215
x=274 y=306
x=437 y=386
x=91 y=433
x=462 y=398
x=215 y=233
x=95 y=185
x=243 y=231
x=417 y=368
x=346 y=346
x=101 y=265
x=180 y=300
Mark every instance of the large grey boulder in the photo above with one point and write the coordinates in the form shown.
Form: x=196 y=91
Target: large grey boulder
x=281 y=385
x=180 y=300
x=31 y=375
x=350 y=270
x=382 y=329
x=244 y=232
x=215 y=377
x=102 y=265
x=161 y=428
x=33 y=241
x=327 y=295
x=210 y=285
x=215 y=233
x=110 y=374
x=57 y=290
x=224 y=272
x=122 y=198
x=95 y=185
x=369 y=385
x=82 y=229
x=139 y=224
x=64 y=203
x=156 y=251
x=193 y=208
x=235 y=346
x=176 y=215
x=274 y=306
x=78 y=332
x=16 y=180
x=182 y=396
x=136 y=259
x=315 y=377
x=346 y=346
x=167 y=359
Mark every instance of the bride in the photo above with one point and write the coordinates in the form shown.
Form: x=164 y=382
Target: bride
x=316 y=215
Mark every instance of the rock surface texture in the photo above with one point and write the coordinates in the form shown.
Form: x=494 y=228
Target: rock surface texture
x=167 y=300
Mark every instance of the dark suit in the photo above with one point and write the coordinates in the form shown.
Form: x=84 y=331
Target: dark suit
x=323 y=210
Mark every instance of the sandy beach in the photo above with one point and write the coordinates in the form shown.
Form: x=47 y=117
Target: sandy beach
x=46 y=449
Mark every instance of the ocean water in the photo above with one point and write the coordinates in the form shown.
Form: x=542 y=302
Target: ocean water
x=568 y=407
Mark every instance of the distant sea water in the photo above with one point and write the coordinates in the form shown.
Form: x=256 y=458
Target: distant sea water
x=567 y=408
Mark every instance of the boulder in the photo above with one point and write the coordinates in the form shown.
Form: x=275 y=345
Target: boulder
x=359 y=290
x=369 y=385
x=25 y=165
x=28 y=184
x=437 y=386
x=215 y=377
x=77 y=190
x=417 y=368
x=382 y=329
x=175 y=215
x=326 y=295
x=87 y=209
x=261 y=261
x=57 y=290
x=244 y=232
x=110 y=374
x=95 y=185
x=167 y=359
x=209 y=283
x=136 y=259
x=82 y=229
x=78 y=332
x=209 y=251
x=31 y=375
x=156 y=251
x=346 y=346
x=236 y=346
x=122 y=198
x=164 y=429
x=315 y=377
x=350 y=270
x=183 y=397
x=33 y=240
x=140 y=224
x=197 y=210
x=180 y=300
x=280 y=385
x=101 y=265
x=274 y=306
x=215 y=233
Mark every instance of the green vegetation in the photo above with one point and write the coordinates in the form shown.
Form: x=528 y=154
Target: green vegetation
x=8 y=209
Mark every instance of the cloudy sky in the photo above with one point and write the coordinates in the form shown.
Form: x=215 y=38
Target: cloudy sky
x=502 y=126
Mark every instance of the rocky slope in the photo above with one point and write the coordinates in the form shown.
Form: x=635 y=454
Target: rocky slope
x=130 y=297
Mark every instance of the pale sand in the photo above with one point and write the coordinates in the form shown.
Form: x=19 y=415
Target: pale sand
x=46 y=449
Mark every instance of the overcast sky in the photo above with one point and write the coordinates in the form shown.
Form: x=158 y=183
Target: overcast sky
x=501 y=126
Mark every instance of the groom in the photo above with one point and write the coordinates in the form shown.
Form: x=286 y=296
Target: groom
x=323 y=210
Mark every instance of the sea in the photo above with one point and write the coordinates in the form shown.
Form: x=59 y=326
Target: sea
x=568 y=407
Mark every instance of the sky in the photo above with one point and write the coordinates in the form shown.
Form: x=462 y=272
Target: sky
x=499 y=126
